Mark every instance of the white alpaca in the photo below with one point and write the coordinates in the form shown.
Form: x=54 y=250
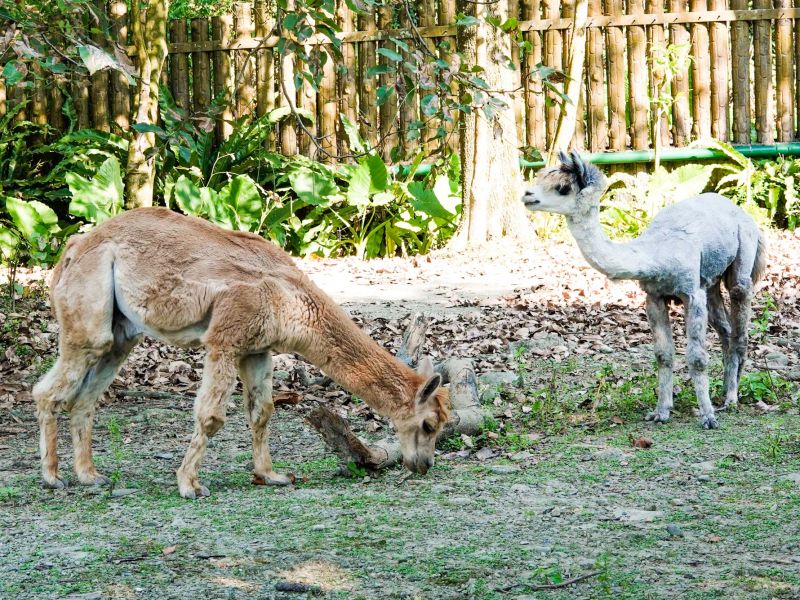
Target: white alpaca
x=685 y=254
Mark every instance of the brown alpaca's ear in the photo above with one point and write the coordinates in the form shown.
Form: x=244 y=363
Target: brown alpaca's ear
x=425 y=366
x=428 y=390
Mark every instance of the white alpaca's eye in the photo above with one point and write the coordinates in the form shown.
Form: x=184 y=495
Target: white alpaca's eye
x=563 y=189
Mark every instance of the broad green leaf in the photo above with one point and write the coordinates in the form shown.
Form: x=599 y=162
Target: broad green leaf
x=378 y=174
x=356 y=143
x=8 y=242
x=379 y=70
x=310 y=186
x=12 y=74
x=390 y=54
x=358 y=191
x=33 y=219
x=101 y=197
x=425 y=201
x=241 y=194
x=383 y=94
x=187 y=197
x=466 y=21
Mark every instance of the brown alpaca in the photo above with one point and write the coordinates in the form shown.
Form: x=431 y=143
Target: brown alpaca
x=184 y=281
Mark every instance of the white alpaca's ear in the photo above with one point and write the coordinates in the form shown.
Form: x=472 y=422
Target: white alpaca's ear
x=425 y=366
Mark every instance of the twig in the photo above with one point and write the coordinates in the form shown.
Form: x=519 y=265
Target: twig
x=553 y=586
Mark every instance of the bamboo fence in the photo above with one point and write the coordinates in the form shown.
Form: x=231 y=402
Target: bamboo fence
x=741 y=83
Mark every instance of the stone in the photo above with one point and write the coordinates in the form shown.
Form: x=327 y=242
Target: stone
x=503 y=469
x=674 y=531
x=776 y=360
x=497 y=378
x=121 y=492
x=485 y=454
x=634 y=515
x=793 y=477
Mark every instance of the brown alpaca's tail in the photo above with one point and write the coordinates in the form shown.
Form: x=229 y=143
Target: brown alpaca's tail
x=61 y=265
x=760 y=263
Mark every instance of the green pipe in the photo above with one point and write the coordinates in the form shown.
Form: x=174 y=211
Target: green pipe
x=626 y=157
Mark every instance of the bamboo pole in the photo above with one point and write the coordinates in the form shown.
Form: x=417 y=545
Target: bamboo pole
x=720 y=68
x=797 y=75
x=346 y=79
x=658 y=44
x=307 y=100
x=120 y=88
x=535 y=127
x=553 y=54
x=407 y=100
x=179 y=66
x=55 y=105
x=740 y=77
x=388 y=110
x=701 y=75
x=328 y=110
x=3 y=97
x=681 y=114
x=427 y=18
x=615 y=42
x=638 y=79
x=784 y=53
x=368 y=112
x=447 y=16
x=201 y=67
x=99 y=89
x=288 y=97
x=222 y=26
x=596 y=84
x=80 y=99
x=265 y=59
x=565 y=131
x=518 y=96
x=245 y=65
x=39 y=98
x=762 y=77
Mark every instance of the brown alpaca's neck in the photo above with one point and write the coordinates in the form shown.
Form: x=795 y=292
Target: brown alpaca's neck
x=335 y=344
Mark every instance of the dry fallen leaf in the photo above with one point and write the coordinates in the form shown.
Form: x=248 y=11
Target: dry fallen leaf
x=169 y=550
x=713 y=539
x=641 y=442
x=617 y=420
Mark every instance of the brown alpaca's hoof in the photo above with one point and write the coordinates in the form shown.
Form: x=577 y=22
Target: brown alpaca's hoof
x=273 y=478
x=53 y=482
x=94 y=479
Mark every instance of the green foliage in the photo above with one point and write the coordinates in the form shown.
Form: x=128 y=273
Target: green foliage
x=100 y=197
x=763 y=386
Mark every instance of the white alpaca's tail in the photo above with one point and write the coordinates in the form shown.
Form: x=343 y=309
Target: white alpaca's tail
x=760 y=263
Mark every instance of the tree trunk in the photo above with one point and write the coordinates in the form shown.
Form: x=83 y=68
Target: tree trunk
x=149 y=27
x=490 y=171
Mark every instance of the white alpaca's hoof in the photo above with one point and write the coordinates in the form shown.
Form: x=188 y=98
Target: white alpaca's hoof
x=657 y=417
x=710 y=422
x=730 y=404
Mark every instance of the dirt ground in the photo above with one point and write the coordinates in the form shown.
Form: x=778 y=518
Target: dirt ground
x=565 y=482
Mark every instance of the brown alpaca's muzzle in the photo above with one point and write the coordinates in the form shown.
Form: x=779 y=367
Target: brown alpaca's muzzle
x=419 y=465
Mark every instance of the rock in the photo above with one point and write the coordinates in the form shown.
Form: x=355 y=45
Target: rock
x=674 y=531
x=520 y=456
x=610 y=454
x=776 y=360
x=280 y=374
x=556 y=512
x=164 y=455
x=485 y=454
x=705 y=466
x=441 y=488
x=503 y=469
x=793 y=477
x=703 y=478
x=634 y=515
x=497 y=378
x=319 y=527
x=461 y=500
x=121 y=492
x=677 y=501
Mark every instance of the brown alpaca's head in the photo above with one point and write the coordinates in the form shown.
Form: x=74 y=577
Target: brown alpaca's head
x=417 y=429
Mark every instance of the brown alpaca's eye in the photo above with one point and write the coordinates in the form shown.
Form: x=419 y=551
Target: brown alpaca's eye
x=428 y=428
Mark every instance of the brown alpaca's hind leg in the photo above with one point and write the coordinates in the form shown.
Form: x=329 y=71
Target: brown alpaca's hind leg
x=82 y=412
x=55 y=391
x=256 y=374
x=219 y=379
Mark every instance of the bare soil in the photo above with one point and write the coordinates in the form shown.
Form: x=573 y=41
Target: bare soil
x=565 y=482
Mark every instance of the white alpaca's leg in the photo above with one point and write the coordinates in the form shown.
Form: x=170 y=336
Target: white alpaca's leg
x=219 y=379
x=697 y=356
x=658 y=317
x=256 y=374
x=719 y=319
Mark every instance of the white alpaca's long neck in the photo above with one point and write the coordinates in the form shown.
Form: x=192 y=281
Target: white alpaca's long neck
x=616 y=261
x=333 y=342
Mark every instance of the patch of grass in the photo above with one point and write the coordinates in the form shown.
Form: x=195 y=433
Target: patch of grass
x=8 y=493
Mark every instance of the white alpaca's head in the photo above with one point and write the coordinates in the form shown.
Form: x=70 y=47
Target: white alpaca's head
x=572 y=188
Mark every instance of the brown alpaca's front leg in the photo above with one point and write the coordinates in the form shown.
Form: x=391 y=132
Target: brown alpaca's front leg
x=219 y=379
x=256 y=373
